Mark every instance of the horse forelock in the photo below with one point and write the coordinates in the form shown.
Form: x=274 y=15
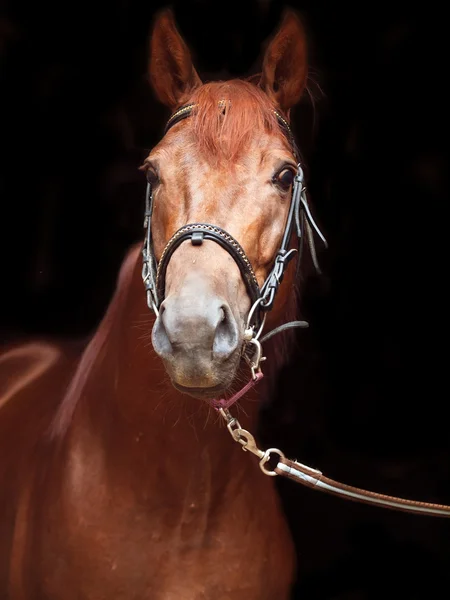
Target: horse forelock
x=228 y=115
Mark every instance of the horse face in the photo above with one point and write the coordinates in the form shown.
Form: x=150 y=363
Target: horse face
x=199 y=330
x=228 y=165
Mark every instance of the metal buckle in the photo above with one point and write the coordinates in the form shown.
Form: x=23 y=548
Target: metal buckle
x=255 y=362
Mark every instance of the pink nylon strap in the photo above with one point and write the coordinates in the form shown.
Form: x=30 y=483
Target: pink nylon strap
x=222 y=403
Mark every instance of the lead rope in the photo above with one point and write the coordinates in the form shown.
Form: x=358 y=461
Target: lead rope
x=293 y=469
x=315 y=479
x=304 y=222
x=300 y=473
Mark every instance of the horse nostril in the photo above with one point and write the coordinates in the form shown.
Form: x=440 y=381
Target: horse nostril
x=226 y=335
x=205 y=330
x=160 y=338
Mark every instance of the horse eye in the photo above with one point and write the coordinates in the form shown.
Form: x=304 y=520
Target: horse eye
x=152 y=176
x=284 y=179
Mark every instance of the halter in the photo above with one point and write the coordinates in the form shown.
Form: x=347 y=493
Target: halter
x=262 y=299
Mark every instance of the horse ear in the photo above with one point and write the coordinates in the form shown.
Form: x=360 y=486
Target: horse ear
x=172 y=73
x=285 y=66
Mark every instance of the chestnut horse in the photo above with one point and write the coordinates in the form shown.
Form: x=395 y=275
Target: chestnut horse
x=116 y=481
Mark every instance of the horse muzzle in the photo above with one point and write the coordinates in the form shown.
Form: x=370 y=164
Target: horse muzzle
x=198 y=337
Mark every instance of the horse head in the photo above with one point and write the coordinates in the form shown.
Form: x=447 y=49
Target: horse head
x=220 y=206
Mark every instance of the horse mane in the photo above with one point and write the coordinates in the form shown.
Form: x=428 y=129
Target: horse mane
x=228 y=115
x=89 y=359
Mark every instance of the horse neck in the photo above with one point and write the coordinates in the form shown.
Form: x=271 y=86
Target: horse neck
x=122 y=405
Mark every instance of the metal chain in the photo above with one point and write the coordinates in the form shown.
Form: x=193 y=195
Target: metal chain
x=248 y=443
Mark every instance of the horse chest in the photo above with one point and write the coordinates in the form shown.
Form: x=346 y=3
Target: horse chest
x=113 y=547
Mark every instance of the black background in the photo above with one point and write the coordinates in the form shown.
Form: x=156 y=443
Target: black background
x=365 y=396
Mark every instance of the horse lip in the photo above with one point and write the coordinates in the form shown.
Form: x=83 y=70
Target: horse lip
x=207 y=393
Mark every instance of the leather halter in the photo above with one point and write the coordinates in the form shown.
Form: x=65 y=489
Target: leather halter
x=299 y=216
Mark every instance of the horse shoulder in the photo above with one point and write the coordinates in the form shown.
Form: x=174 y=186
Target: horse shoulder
x=33 y=377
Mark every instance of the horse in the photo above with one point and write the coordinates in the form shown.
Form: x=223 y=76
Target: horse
x=118 y=477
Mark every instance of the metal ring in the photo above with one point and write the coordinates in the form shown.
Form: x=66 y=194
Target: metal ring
x=263 y=322
x=251 y=312
x=265 y=459
x=249 y=326
x=151 y=303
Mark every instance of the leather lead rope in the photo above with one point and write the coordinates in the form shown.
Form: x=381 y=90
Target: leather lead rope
x=316 y=480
